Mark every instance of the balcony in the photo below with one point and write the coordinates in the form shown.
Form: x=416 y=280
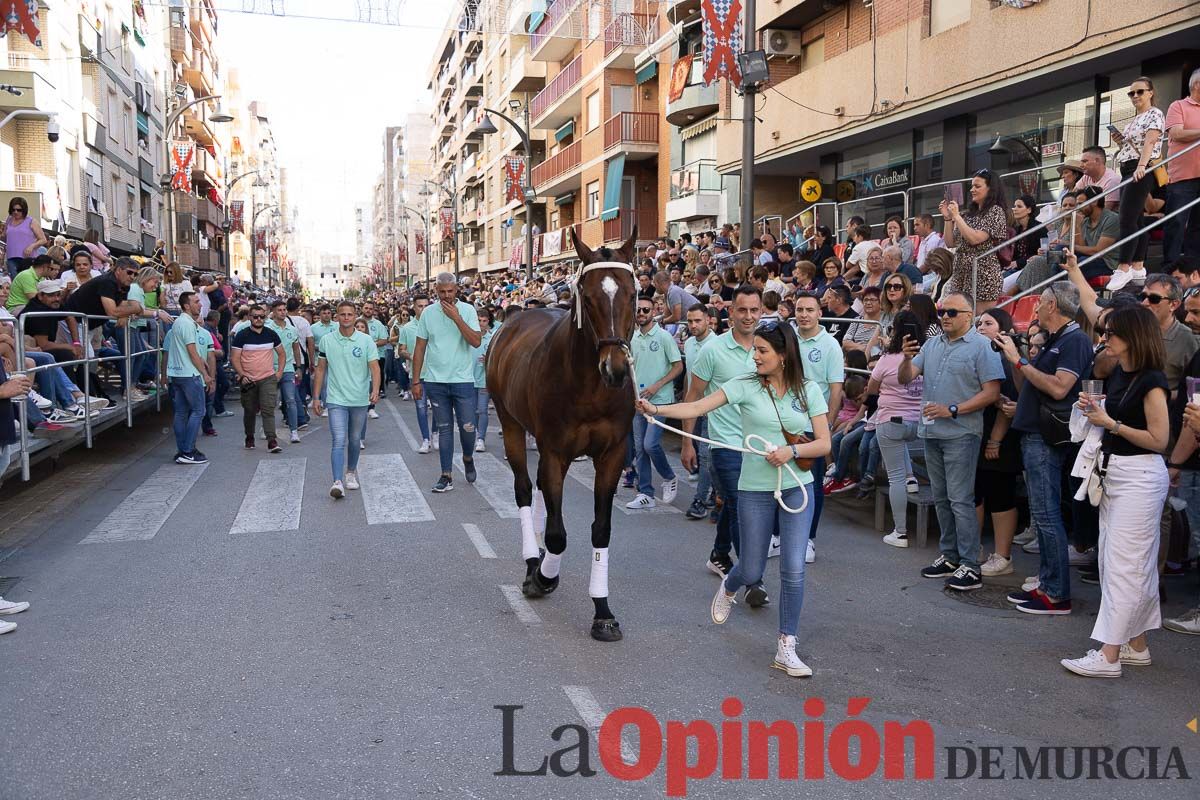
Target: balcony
x=525 y=74
x=635 y=132
x=185 y=203
x=199 y=73
x=561 y=96
x=557 y=165
x=619 y=228
x=181 y=45
x=627 y=31
x=556 y=35
x=197 y=125
x=206 y=211
x=696 y=102
x=202 y=25
x=695 y=191
x=680 y=10
x=36 y=92
x=205 y=168
x=94 y=133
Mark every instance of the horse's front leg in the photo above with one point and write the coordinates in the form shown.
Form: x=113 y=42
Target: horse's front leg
x=605 y=627
x=552 y=471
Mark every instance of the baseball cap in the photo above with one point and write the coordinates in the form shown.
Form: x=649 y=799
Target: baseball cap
x=49 y=286
x=722 y=242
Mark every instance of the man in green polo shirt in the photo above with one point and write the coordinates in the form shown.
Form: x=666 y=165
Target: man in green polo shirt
x=657 y=361
x=325 y=324
x=379 y=333
x=348 y=378
x=825 y=364
x=189 y=378
x=443 y=363
x=288 y=389
x=404 y=351
x=24 y=285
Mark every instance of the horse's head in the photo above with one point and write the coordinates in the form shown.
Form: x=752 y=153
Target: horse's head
x=605 y=300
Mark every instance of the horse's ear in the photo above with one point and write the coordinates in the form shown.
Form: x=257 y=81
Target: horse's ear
x=628 y=251
x=586 y=255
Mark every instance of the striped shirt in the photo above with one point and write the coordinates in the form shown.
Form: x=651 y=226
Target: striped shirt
x=258 y=352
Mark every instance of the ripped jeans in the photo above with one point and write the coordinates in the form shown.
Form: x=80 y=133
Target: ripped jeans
x=453 y=401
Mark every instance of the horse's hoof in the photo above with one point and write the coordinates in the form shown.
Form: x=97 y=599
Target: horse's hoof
x=606 y=630
x=538 y=585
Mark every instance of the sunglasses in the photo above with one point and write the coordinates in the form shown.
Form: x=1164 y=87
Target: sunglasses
x=950 y=312
x=645 y=310
x=1151 y=298
x=258 y=316
x=130 y=272
x=768 y=326
x=1136 y=92
x=896 y=286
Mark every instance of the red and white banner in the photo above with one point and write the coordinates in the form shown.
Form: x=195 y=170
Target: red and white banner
x=420 y=248
x=514 y=172
x=183 y=153
x=237 y=215
x=21 y=16
x=721 y=40
x=446 y=215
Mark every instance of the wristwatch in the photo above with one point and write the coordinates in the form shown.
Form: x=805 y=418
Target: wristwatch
x=953 y=412
x=1022 y=362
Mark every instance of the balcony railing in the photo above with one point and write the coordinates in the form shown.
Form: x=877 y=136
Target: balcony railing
x=631 y=127
x=563 y=161
x=25 y=181
x=563 y=82
x=698 y=176
x=554 y=15
x=627 y=30
x=618 y=229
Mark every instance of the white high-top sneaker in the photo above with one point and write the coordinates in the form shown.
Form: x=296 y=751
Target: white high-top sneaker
x=787 y=660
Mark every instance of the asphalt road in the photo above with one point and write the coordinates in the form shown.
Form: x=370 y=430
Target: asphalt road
x=232 y=632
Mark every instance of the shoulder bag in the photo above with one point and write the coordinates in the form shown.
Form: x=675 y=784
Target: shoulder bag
x=805 y=464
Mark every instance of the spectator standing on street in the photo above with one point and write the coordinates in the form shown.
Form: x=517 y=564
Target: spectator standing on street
x=479 y=355
x=1141 y=143
x=288 y=390
x=348 y=376
x=962 y=377
x=307 y=361
x=379 y=334
x=1182 y=235
x=189 y=378
x=700 y=321
x=897 y=418
x=258 y=359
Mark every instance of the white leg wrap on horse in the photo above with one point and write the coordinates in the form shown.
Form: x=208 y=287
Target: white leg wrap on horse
x=529 y=545
x=598 y=587
x=550 y=564
x=539 y=512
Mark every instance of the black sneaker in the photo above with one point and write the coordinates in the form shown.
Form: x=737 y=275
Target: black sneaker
x=194 y=457
x=865 y=489
x=719 y=563
x=757 y=597
x=468 y=470
x=1020 y=598
x=697 y=510
x=1091 y=576
x=964 y=579
x=444 y=484
x=940 y=569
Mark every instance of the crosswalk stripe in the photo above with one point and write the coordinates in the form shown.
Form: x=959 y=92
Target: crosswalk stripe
x=143 y=512
x=402 y=425
x=390 y=494
x=495 y=483
x=274 y=498
x=479 y=540
x=585 y=473
x=588 y=708
x=520 y=605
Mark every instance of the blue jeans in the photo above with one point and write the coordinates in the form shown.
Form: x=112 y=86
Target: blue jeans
x=1043 y=480
x=951 y=464
x=389 y=365
x=291 y=399
x=703 y=462
x=345 y=421
x=843 y=450
x=481 y=412
x=187 y=396
x=402 y=375
x=303 y=394
x=647 y=441
x=53 y=383
x=453 y=401
x=423 y=416
x=726 y=469
x=1182 y=232
x=759 y=516
x=894 y=439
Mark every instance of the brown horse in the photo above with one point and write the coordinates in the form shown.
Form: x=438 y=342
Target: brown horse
x=561 y=375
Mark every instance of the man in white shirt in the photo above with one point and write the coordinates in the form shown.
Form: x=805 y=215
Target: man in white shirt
x=930 y=238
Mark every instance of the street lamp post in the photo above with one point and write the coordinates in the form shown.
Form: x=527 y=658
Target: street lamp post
x=424 y=219
x=217 y=116
x=229 y=184
x=453 y=195
x=486 y=126
x=254 y=245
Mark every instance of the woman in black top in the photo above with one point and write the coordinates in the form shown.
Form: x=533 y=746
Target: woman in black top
x=999 y=456
x=1133 y=415
x=821 y=246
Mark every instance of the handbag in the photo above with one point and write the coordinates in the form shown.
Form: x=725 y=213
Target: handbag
x=1095 y=484
x=1054 y=421
x=1159 y=169
x=805 y=464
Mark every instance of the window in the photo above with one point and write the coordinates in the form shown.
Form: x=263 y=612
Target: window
x=593 y=111
x=118 y=212
x=73 y=179
x=813 y=53
x=620 y=98
x=127 y=128
x=947 y=14
x=131 y=205
x=113 y=116
x=593 y=199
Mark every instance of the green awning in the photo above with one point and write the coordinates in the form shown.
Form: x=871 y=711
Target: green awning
x=646 y=73
x=564 y=199
x=612 y=187
x=566 y=130
x=143 y=123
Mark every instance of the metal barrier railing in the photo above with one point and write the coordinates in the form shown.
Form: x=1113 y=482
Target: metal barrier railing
x=87 y=361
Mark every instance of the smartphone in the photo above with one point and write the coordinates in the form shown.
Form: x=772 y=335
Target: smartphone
x=908 y=329
x=1114 y=131
x=953 y=193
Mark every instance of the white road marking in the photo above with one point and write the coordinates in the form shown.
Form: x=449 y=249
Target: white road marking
x=585 y=473
x=142 y=514
x=520 y=605
x=494 y=482
x=390 y=494
x=589 y=710
x=274 y=498
x=477 y=538
x=402 y=425
x=313 y=428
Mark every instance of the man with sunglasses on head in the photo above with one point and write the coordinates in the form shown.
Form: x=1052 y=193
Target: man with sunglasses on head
x=962 y=378
x=1162 y=294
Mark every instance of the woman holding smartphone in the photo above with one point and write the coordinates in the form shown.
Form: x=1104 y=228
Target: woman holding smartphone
x=773 y=399
x=897 y=415
x=983 y=226
x=1141 y=143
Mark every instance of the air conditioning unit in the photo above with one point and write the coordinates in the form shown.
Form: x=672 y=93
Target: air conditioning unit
x=779 y=42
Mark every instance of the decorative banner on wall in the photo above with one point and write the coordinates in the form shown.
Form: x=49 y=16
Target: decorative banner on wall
x=237 y=214
x=214 y=195
x=514 y=171
x=183 y=153
x=402 y=253
x=722 y=26
x=681 y=70
x=21 y=16
x=260 y=240
x=420 y=236
x=446 y=216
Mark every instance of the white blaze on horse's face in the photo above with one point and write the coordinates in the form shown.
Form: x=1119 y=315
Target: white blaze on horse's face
x=610 y=288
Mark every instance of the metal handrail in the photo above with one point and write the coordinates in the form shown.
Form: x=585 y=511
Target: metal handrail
x=902 y=194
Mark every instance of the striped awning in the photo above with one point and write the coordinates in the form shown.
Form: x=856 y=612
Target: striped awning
x=698 y=128
x=646 y=72
x=566 y=130
x=564 y=199
x=612 y=187
x=143 y=123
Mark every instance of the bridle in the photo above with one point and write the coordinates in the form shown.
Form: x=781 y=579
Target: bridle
x=601 y=341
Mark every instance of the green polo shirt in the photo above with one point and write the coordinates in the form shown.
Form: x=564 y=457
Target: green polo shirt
x=654 y=352
x=377 y=330
x=408 y=336
x=479 y=354
x=824 y=362
x=138 y=295
x=447 y=354
x=753 y=403
x=23 y=287
x=288 y=335
x=722 y=359
x=348 y=368
x=179 y=363
x=319 y=329
x=691 y=351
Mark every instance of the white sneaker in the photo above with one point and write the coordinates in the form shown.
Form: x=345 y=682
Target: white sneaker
x=8 y=607
x=641 y=501
x=830 y=470
x=98 y=403
x=135 y=396
x=1188 y=623
x=42 y=403
x=1118 y=281
x=787 y=660
x=351 y=479
x=773 y=550
x=406 y=395
x=1031 y=583
x=1138 y=274
x=362 y=444
x=295 y=437
x=337 y=491
x=324 y=412
x=1135 y=658
x=1032 y=547
x=810 y=555
x=911 y=485
x=7 y=627
x=479 y=448
x=425 y=447
x=1093 y=665
x=1025 y=537
x=372 y=413
x=669 y=490
x=722 y=605
x=896 y=539
x=1085 y=559
x=996 y=565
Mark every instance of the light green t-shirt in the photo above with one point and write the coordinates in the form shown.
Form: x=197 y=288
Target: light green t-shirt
x=377 y=330
x=447 y=354
x=480 y=354
x=238 y=327
x=347 y=367
x=721 y=360
x=752 y=402
x=23 y=287
x=408 y=336
x=288 y=335
x=691 y=351
x=138 y=295
x=319 y=330
x=654 y=353
x=823 y=361
x=179 y=363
